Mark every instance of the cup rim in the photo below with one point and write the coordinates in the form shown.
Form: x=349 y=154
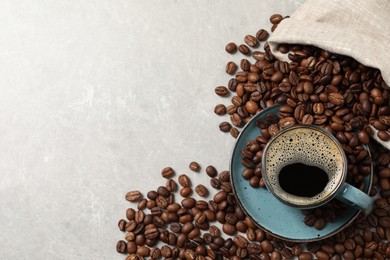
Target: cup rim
x=334 y=191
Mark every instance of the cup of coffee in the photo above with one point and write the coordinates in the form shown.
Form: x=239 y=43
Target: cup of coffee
x=304 y=166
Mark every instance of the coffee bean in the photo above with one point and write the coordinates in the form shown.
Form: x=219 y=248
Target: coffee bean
x=215 y=183
x=251 y=40
x=163 y=191
x=234 y=132
x=287 y=122
x=244 y=49
x=225 y=126
x=305 y=256
x=224 y=176
x=240 y=241
x=336 y=98
x=188 y=203
x=122 y=225
x=220 y=109
x=364 y=138
x=171 y=185
x=275 y=18
x=384 y=222
x=266 y=246
x=231 y=47
x=262 y=35
x=143 y=251
x=383 y=135
x=220 y=196
x=194 y=166
x=151 y=231
x=251 y=107
x=307 y=119
x=142 y=204
x=211 y=171
x=133 y=195
x=221 y=91
x=121 y=247
x=201 y=190
x=277 y=77
x=184 y=181
x=245 y=65
x=185 y=191
x=230 y=68
x=130 y=214
x=318 y=108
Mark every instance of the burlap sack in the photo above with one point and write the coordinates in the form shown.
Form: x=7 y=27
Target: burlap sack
x=356 y=28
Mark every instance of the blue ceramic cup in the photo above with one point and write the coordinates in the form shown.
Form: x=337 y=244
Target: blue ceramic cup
x=304 y=166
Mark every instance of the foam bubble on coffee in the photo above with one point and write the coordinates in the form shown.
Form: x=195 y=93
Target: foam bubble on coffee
x=310 y=147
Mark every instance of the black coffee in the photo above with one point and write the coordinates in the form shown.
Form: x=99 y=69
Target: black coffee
x=302 y=180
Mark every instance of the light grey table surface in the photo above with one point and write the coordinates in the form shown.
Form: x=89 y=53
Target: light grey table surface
x=96 y=98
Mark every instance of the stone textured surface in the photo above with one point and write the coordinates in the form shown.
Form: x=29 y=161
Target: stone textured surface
x=96 y=98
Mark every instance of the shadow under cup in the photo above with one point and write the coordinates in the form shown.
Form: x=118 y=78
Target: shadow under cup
x=310 y=146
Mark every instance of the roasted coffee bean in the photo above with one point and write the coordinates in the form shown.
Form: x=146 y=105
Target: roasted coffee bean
x=163 y=191
x=234 y=132
x=251 y=107
x=143 y=251
x=251 y=40
x=188 y=203
x=184 y=181
x=171 y=185
x=266 y=246
x=245 y=65
x=231 y=47
x=155 y=253
x=307 y=119
x=225 y=127
x=276 y=18
x=240 y=241
x=194 y=166
x=221 y=91
x=151 y=231
x=220 y=196
x=287 y=122
x=121 y=247
x=167 y=172
x=305 y=256
x=224 y=176
x=220 y=109
x=319 y=223
x=211 y=171
x=201 y=190
x=383 y=135
x=262 y=35
x=122 y=225
x=244 y=49
x=384 y=222
x=139 y=216
x=162 y=202
x=215 y=183
x=336 y=98
x=185 y=192
x=231 y=68
x=133 y=195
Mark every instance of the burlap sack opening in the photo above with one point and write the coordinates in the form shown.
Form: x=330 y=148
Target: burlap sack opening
x=356 y=28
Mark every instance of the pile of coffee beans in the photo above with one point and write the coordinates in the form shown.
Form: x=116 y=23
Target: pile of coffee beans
x=162 y=225
x=318 y=87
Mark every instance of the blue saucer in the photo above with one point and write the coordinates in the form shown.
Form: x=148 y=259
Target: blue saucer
x=267 y=211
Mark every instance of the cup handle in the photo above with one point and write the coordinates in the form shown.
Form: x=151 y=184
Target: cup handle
x=354 y=197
